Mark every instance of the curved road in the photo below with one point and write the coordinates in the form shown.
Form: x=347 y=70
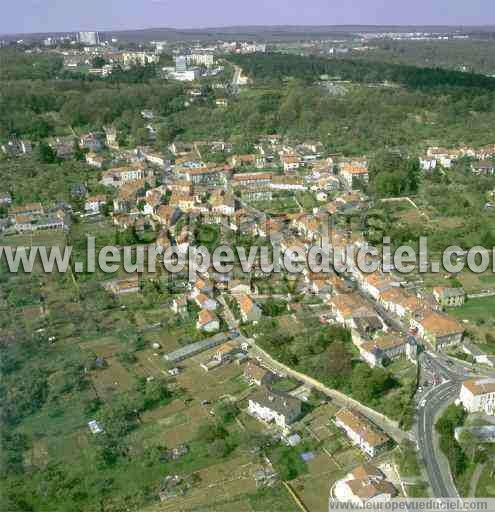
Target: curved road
x=438 y=472
x=430 y=405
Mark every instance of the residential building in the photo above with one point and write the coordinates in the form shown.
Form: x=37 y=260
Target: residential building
x=483 y=434
x=354 y=174
x=207 y=321
x=91 y=142
x=255 y=374
x=290 y=163
x=94 y=203
x=222 y=203
x=427 y=163
x=290 y=183
x=26 y=209
x=123 y=286
x=15 y=147
x=206 y=176
x=250 y=311
x=201 y=59
x=477 y=354
x=478 y=395
x=139 y=58
x=95 y=160
x=375 y=284
x=89 y=38
x=239 y=161
x=387 y=347
x=364 y=486
x=165 y=215
x=485 y=152
x=483 y=168
x=439 y=330
x=361 y=432
x=205 y=302
x=224 y=352
x=270 y=406
x=32 y=223
x=446 y=157
x=118 y=176
x=5 y=199
x=179 y=304
x=236 y=287
x=201 y=286
x=261 y=193
x=399 y=302
x=64 y=147
x=449 y=297
x=190 y=75
x=252 y=180
x=308 y=226
x=111 y=137
x=184 y=202
x=154 y=158
x=347 y=307
x=253 y=186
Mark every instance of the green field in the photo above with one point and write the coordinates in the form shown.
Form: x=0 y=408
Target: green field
x=476 y=309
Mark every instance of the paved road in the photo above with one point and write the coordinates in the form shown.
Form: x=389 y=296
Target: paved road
x=431 y=403
x=387 y=425
x=437 y=470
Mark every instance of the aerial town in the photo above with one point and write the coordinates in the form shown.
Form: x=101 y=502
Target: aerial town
x=252 y=391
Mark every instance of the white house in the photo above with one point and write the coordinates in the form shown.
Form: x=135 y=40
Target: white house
x=271 y=406
x=478 y=395
x=205 y=302
x=207 y=321
x=427 y=163
x=119 y=176
x=364 y=485
x=361 y=432
x=290 y=162
x=94 y=203
x=386 y=348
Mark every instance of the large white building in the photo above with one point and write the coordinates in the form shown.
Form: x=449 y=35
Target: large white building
x=89 y=38
x=478 y=395
x=119 y=176
x=139 y=58
x=180 y=64
x=271 y=406
x=201 y=59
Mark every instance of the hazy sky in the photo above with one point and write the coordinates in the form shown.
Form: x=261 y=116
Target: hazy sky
x=71 y=15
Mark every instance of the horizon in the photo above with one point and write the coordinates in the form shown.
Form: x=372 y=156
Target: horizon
x=257 y=26
x=53 y=16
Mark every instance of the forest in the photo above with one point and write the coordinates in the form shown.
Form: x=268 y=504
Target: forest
x=277 y=66
x=431 y=107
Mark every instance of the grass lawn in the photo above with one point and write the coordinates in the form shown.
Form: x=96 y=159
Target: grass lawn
x=208 y=235
x=486 y=484
x=277 y=205
x=307 y=200
x=275 y=499
x=475 y=309
x=285 y=384
x=488 y=279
